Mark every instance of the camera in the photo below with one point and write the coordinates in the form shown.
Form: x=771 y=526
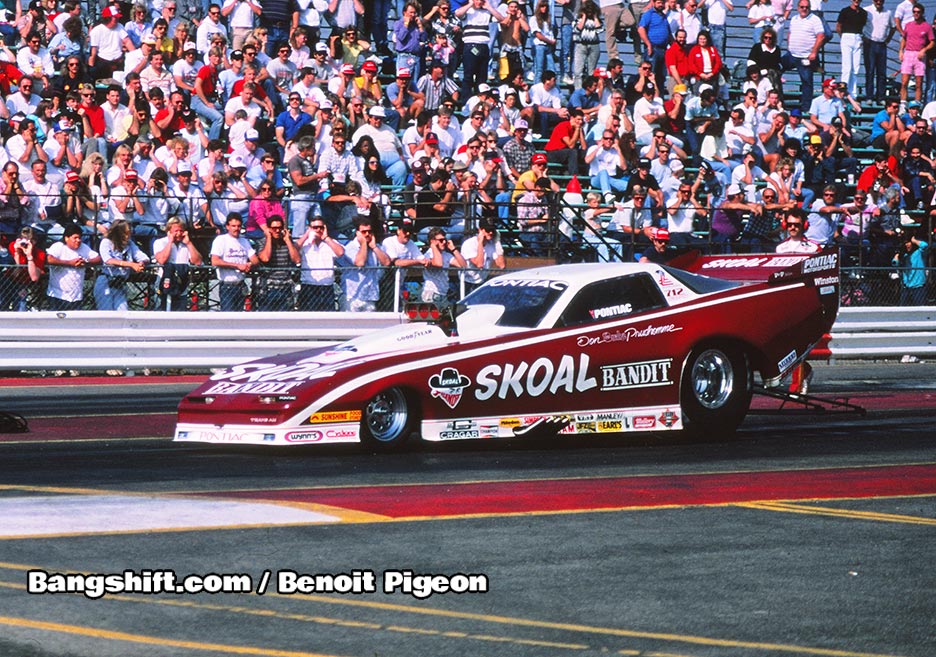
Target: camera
x=22 y=242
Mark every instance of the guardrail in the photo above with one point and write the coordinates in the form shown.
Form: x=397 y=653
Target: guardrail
x=101 y=340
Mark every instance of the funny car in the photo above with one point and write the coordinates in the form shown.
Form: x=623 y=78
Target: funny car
x=564 y=349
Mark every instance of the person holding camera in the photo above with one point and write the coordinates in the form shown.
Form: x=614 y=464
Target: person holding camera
x=175 y=253
x=25 y=251
x=440 y=257
x=121 y=257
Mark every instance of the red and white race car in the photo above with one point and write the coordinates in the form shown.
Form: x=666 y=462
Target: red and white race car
x=568 y=349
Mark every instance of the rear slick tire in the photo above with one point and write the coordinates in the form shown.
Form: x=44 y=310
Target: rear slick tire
x=717 y=387
x=387 y=421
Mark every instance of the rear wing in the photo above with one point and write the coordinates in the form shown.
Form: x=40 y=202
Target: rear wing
x=820 y=268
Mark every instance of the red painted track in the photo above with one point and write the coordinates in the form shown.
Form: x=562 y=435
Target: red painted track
x=498 y=497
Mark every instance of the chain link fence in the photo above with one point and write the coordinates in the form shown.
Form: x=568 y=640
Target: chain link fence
x=278 y=290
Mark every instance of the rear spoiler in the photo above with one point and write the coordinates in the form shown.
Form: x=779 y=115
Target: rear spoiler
x=760 y=267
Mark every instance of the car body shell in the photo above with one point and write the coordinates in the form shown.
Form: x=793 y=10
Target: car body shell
x=606 y=351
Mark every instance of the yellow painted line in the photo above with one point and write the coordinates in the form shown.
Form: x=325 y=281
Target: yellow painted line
x=109 y=635
x=510 y=621
x=787 y=507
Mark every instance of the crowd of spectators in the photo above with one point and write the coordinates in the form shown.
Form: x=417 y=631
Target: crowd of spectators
x=310 y=134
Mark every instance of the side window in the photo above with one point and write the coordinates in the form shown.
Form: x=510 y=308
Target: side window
x=613 y=298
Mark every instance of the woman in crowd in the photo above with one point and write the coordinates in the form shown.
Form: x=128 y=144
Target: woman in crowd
x=121 y=257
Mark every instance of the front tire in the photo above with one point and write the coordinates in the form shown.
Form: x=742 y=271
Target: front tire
x=387 y=420
x=717 y=386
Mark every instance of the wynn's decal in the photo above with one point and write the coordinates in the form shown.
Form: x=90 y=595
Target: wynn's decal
x=534 y=379
x=448 y=386
x=646 y=374
x=626 y=335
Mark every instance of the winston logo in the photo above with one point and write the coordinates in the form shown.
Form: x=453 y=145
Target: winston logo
x=449 y=386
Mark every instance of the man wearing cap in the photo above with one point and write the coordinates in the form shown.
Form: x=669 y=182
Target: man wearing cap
x=62 y=155
x=322 y=68
x=660 y=254
x=185 y=69
x=728 y=218
x=368 y=85
x=482 y=253
x=404 y=100
x=837 y=148
x=136 y=60
x=518 y=152
x=400 y=247
x=387 y=143
x=192 y=203
x=648 y=114
x=826 y=106
x=108 y=41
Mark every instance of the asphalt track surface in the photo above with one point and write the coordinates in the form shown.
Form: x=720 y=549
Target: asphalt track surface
x=807 y=533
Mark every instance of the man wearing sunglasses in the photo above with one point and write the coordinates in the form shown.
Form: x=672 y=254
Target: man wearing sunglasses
x=362 y=279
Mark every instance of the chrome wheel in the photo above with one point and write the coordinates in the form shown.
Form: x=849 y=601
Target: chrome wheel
x=386 y=417
x=712 y=378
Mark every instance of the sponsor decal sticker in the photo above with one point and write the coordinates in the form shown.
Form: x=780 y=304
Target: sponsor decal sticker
x=769 y=261
x=646 y=374
x=459 y=435
x=341 y=433
x=668 y=419
x=335 y=416
x=611 y=311
x=643 y=422
x=610 y=426
x=304 y=436
x=787 y=361
x=510 y=422
x=827 y=289
x=820 y=263
x=448 y=386
x=534 y=379
x=586 y=427
x=523 y=282
x=626 y=335
x=263 y=420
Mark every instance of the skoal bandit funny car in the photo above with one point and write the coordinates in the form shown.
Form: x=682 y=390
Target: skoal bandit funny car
x=568 y=349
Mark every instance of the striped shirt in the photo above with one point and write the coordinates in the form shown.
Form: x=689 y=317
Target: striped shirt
x=803 y=33
x=475 y=26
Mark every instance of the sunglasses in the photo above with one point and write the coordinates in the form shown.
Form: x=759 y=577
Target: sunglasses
x=322 y=227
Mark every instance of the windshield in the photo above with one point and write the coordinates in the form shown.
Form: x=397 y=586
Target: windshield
x=525 y=301
x=700 y=284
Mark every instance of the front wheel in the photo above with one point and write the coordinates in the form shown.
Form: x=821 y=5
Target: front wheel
x=716 y=390
x=387 y=421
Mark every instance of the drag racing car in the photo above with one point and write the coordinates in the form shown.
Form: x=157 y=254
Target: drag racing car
x=565 y=349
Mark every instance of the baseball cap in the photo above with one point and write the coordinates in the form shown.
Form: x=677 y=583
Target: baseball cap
x=483 y=88
x=837 y=120
x=705 y=87
x=539 y=158
x=432 y=138
x=404 y=72
x=326 y=105
x=492 y=156
x=369 y=66
x=649 y=88
x=733 y=189
x=188 y=115
x=35 y=5
x=149 y=39
x=321 y=47
x=600 y=72
x=913 y=103
x=659 y=234
x=183 y=167
x=62 y=127
x=252 y=135
x=643 y=163
x=460 y=166
x=189 y=46
x=407 y=225
x=131 y=174
x=237 y=162
x=72 y=177
x=815 y=139
x=418 y=166
x=828 y=82
x=347 y=69
x=796 y=111
x=680 y=89
x=521 y=124
x=109 y=12
x=377 y=110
